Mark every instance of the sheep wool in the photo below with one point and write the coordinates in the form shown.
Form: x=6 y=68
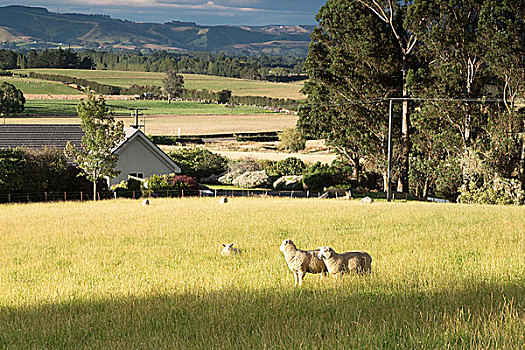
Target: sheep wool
x=301 y=262
x=358 y=262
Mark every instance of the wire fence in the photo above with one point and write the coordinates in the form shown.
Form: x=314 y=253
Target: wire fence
x=106 y=195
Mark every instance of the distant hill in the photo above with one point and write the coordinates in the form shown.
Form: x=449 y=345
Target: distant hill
x=22 y=26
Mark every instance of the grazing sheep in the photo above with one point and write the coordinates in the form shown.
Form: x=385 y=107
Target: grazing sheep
x=145 y=201
x=229 y=249
x=359 y=262
x=301 y=261
x=367 y=200
x=223 y=200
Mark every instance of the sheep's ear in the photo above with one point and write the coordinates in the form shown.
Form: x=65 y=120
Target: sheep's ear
x=231 y=245
x=224 y=245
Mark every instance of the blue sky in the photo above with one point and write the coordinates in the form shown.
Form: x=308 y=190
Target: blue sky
x=211 y=12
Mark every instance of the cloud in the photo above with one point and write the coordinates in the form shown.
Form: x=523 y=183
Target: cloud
x=234 y=12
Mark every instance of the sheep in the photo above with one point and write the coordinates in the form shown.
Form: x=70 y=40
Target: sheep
x=301 y=261
x=223 y=200
x=367 y=200
x=228 y=249
x=145 y=202
x=337 y=264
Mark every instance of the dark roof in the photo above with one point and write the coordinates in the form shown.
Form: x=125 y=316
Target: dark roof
x=39 y=136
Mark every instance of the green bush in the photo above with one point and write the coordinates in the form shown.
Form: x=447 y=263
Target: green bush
x=199 y=163
x=497 y=191
x=130 y=188
x=36 y=171
x=319 y=176
x=291 y=140
x=170 y=182
x=288 y=166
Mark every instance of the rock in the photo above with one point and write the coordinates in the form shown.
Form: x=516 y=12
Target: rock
x=227 y=179
x=251 y=179
x=288 y=183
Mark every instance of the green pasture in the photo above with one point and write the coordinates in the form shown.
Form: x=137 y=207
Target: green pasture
x=115 y=274
x=122 y=107
x=40 y=87
x=239 y=87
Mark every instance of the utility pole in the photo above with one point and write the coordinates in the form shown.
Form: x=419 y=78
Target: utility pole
x=389 y=171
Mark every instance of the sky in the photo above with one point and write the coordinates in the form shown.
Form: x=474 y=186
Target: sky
x=207 y=12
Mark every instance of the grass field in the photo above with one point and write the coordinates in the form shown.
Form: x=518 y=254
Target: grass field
x=239 y=87
x=116 y=275
x=36 y=86
x=122 y=107
x=189 y=124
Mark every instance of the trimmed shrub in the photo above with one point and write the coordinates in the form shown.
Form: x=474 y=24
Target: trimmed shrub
x=198 y=162
x=288 y=166
x=170 y=182
x=319 y=176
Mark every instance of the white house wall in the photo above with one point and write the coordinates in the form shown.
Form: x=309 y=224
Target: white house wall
x=138 y=157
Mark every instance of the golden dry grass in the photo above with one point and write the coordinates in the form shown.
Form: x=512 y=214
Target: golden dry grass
x=118 y=275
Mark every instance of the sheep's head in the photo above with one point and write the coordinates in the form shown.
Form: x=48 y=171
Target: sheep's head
x=325 y=252
x=227 y=248
x=286 y=243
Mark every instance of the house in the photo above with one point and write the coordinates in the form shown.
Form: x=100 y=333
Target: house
x=137 y=155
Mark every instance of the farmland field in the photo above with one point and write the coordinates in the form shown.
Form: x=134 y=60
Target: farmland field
x=122 y=107
x=239 y=87
x=40 y=87
x=117 y=275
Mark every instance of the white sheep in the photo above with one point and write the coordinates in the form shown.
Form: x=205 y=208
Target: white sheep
x=367 y=200
x=145 y=202
x=228 y=249
x=223 y=200
x=337 y=264
x=301 y=262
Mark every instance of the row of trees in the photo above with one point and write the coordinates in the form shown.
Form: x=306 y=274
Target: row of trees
x=366 y=51
x=49 y=58
x=248 y=67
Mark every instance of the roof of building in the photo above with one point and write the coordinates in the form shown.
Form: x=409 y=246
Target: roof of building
x=39 y=136
x=58 y=135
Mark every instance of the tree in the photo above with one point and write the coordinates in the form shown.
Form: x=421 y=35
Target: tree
x=11 y=100
x=102 y=134
x=224 y=96
x=173 y=84
x=394 y=15
x=351 y=58
x=503 y=31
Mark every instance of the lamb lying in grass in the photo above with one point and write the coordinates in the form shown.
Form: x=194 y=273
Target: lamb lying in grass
x=301 y=261
x=337 y=264
x=228 y=249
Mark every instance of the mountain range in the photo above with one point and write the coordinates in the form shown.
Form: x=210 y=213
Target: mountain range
x=31 y=27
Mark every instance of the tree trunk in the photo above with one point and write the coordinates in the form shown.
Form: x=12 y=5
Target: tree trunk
x=522 y=159
x=357 y=169
x=466 y=156
x=95 y=190
x=405 y=135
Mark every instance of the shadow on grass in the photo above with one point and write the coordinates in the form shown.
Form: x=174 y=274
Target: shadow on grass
x=484 y=315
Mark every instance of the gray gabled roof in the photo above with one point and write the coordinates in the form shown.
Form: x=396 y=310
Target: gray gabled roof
x=39 y=136
x=46 y=135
